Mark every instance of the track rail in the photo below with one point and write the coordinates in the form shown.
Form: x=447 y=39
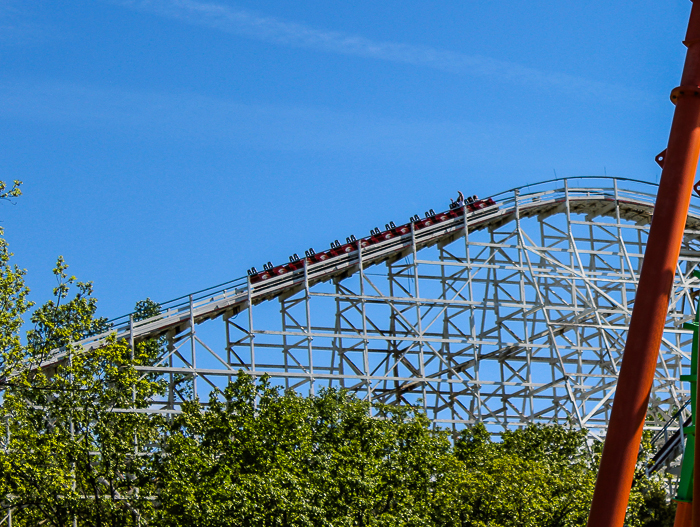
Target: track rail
x=543 y=199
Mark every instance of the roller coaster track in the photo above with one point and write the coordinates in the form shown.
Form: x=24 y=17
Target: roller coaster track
x=240 y=293
x=511 y=311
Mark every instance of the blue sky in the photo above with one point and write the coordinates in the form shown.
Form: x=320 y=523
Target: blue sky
x=168 y=145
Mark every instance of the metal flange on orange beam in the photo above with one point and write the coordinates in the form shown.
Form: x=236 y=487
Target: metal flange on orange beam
x=651 y=302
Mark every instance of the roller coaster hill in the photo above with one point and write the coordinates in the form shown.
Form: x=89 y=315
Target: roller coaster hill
x=507 y=310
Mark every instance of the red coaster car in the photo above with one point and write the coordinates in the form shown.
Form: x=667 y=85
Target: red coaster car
x=379 y=236
x=259 y=277
x=319 y=257
x=402 y=229
x=343 y=249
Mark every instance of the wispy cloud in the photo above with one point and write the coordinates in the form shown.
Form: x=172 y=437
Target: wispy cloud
x=17 y=27
x=270 y=29
x=197 y=120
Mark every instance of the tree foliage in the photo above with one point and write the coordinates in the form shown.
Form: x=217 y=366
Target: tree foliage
x=71 y=449
x=257 y=456
x=77 y=445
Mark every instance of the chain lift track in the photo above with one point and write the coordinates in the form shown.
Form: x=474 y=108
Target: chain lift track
x=510 y=314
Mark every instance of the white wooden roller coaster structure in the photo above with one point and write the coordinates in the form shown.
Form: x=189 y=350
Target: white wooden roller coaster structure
x=508 y=311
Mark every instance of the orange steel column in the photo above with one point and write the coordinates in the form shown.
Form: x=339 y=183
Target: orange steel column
x=651 y=302
x=684 y=512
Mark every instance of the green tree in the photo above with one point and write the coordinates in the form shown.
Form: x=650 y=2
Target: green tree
x=258 y=456
x=542 y=476
x=76 y=448
x=14 y=303
x=536 y=476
